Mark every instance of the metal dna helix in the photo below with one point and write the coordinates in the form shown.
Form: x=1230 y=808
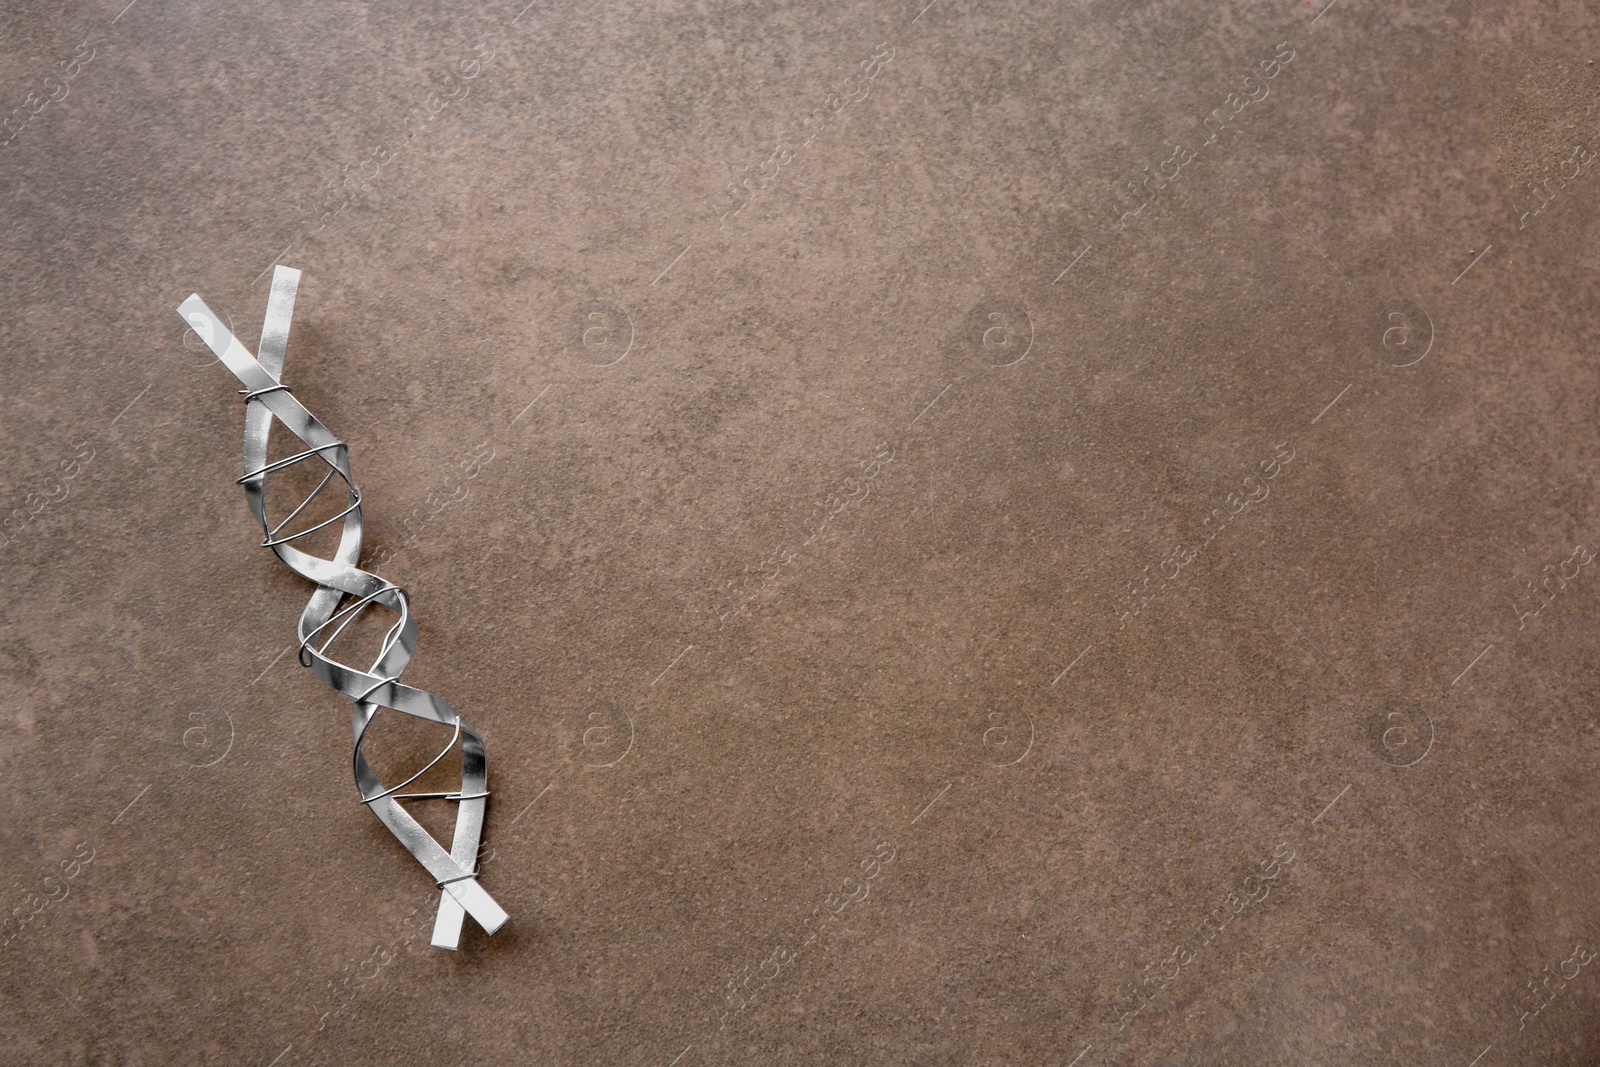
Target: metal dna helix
x=345 y=591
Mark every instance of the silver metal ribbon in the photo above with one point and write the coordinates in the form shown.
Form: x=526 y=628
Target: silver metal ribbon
x=340 y=580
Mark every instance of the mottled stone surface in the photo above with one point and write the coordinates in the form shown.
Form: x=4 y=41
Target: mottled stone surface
x=976 y=534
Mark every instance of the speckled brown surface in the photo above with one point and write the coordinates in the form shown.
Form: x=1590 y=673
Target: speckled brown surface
x=1108 y=550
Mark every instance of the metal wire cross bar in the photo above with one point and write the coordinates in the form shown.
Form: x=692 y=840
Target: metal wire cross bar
x=339 y=580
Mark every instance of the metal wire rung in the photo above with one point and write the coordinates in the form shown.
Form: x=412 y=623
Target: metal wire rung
x=289 y=461
x=443 y=752
x=251 y=394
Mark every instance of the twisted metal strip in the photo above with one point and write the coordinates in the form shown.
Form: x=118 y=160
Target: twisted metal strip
x=339 y=579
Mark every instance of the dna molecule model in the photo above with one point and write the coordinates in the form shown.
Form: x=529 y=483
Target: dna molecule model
x=344 y=592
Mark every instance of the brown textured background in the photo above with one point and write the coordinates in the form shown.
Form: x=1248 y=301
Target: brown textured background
x=1340 y=675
